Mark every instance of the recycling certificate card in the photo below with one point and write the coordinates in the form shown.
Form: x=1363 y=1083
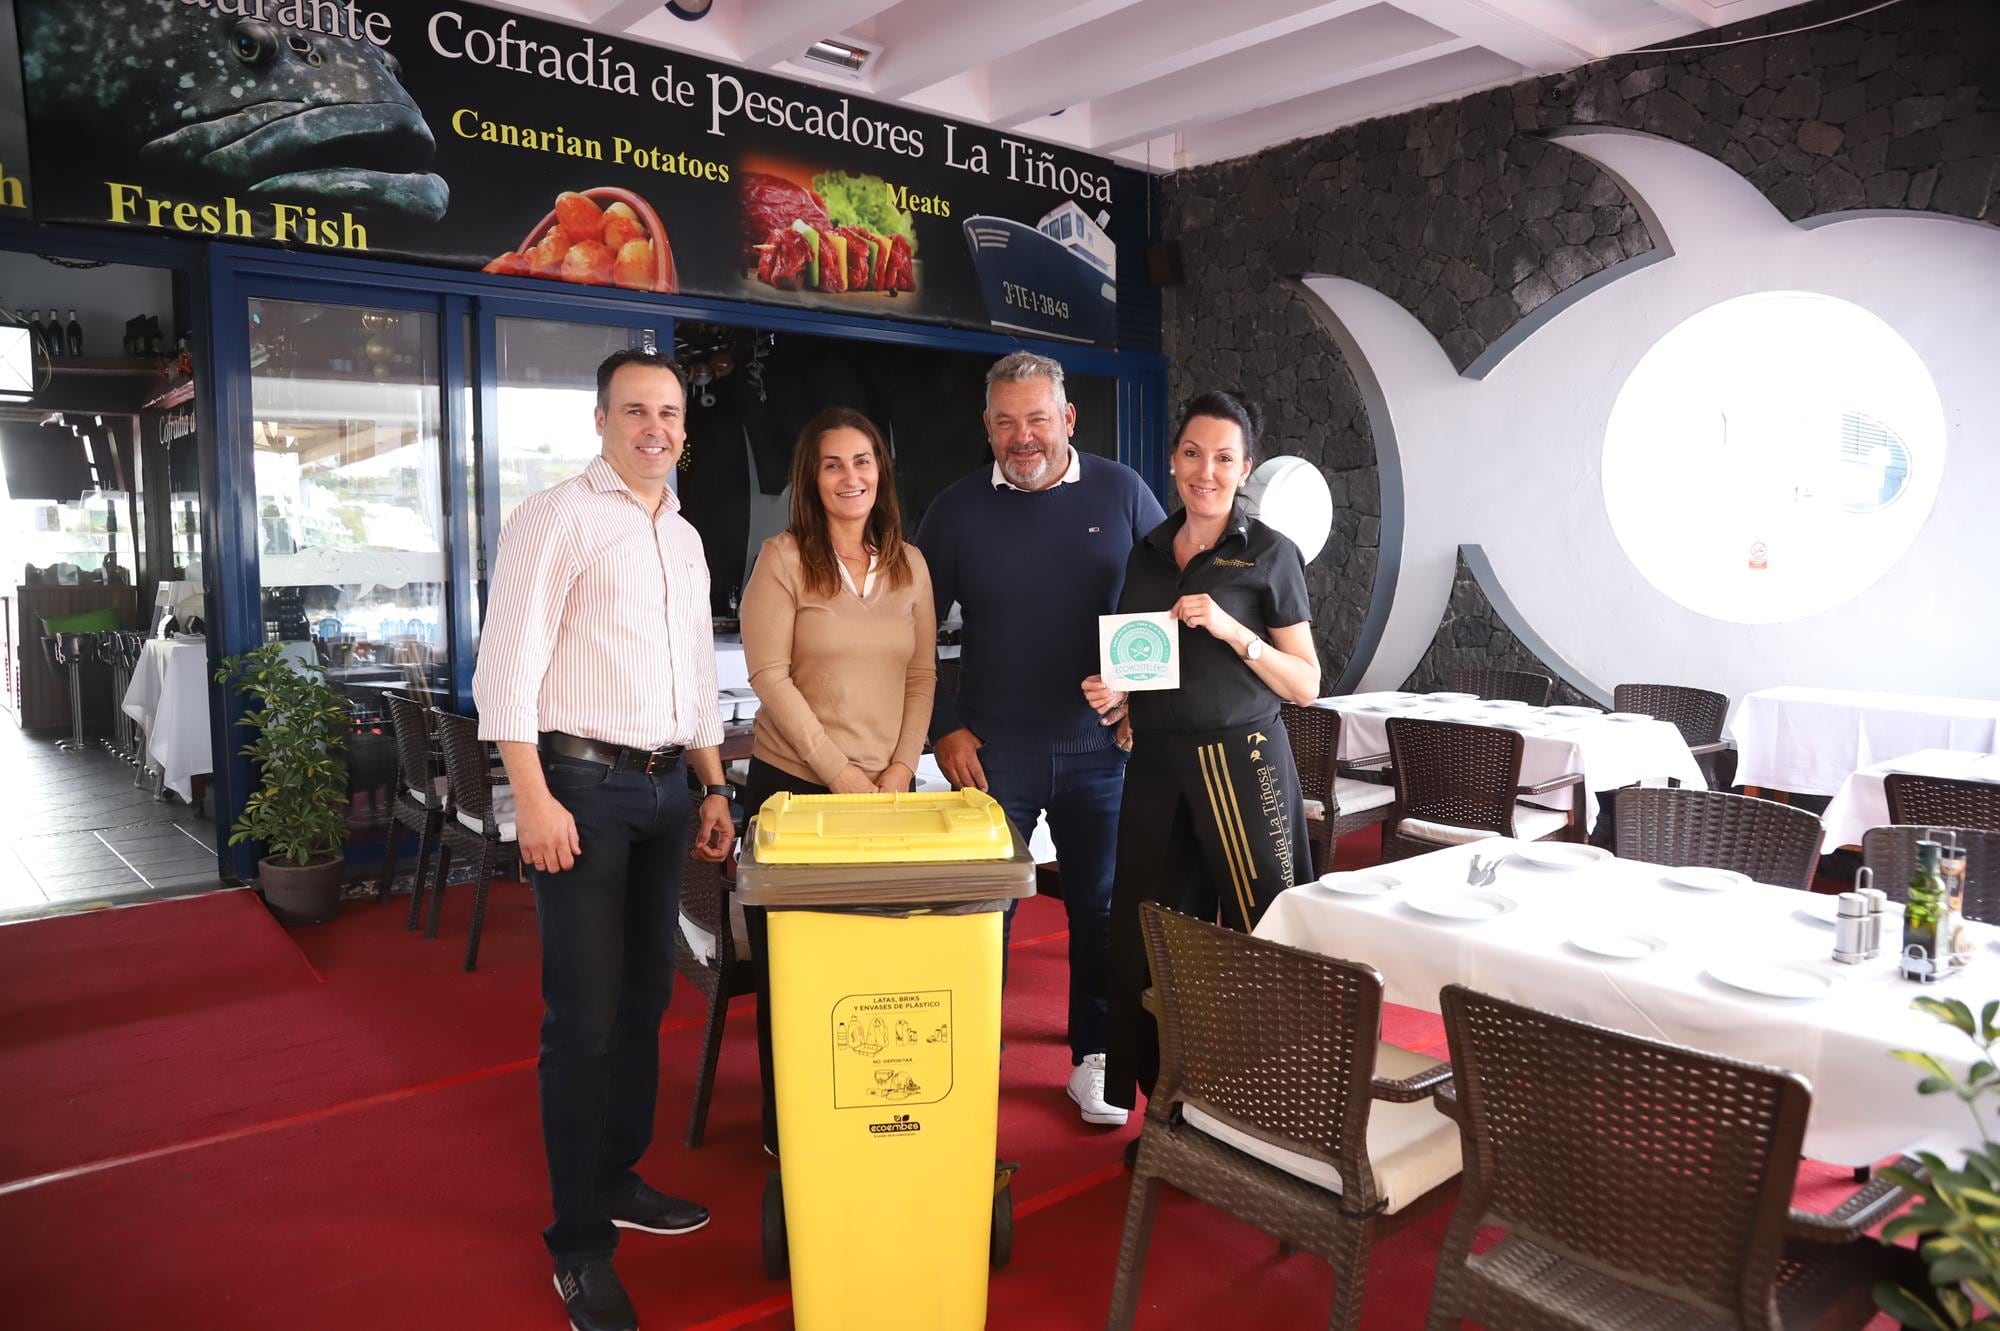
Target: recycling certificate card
x=1139 y=651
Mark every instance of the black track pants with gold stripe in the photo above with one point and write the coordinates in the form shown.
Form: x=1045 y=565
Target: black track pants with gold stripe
x=1212 y=825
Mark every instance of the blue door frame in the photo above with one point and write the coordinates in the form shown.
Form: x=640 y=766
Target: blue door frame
x=466 y=305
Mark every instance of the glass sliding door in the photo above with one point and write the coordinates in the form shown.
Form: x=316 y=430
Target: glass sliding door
x=347 y=459
x=547 y=397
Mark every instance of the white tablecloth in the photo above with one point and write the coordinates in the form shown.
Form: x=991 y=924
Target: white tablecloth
x=1609 y=753
x=168 y=697
x=1863 y=801
x=1865 y=1105
x=1810 y=740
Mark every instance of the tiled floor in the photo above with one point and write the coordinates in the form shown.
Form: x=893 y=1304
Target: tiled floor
x=78 y=833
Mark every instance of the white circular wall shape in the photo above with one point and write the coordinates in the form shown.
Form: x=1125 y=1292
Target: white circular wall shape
x=1290 y=496
x=1773 y=456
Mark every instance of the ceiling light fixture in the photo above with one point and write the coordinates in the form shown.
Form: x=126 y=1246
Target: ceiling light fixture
x=846 y=58
x=689 y=9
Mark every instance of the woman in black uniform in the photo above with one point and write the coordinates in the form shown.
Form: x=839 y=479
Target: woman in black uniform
x=1213 y=819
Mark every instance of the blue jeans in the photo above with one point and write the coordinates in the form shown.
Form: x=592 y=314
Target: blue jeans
x=607 y=927
x=1081 y=793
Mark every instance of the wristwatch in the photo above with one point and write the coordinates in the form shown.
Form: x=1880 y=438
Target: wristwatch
x=727 y=792
x=1255 y=649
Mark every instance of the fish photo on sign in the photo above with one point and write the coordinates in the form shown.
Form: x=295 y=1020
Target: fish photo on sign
x=230 y=125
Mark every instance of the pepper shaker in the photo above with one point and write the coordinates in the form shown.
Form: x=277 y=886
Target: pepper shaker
x=1850 y=929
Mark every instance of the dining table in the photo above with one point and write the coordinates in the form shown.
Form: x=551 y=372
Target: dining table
x=1609 y=749
x=1696 y=957
x=1808 y=741
x=1862 y=801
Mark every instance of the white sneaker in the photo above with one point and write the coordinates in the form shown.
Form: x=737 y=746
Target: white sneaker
x=1086 y=1087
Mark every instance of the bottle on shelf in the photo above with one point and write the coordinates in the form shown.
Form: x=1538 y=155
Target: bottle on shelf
x=35 y=333
x=73 y=338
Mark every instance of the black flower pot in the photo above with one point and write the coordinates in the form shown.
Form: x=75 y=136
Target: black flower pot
x=302 y=893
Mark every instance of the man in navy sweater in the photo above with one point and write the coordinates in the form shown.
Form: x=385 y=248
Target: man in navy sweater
x=1033 y=550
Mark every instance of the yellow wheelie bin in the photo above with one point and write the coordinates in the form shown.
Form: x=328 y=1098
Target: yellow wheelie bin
x=885 y=916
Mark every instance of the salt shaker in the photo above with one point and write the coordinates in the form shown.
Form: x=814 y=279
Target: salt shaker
x=1878 y=917
x=1850 y=929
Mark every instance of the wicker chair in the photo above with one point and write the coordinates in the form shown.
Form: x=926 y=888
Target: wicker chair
x=1348 y=803
x=1612 y=1213
x=480 y=821
x=705 y=905
x=421 y=795
x=1457 y=783
x=1265 y=1106
x=1697 y=713
x=1942 y=801
x=1771 y=842
x=1521 y=685
x=1891 y=855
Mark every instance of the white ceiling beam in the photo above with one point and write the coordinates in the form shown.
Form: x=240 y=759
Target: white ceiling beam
x=1139 y=45
x=622 y=15
x=1438 y=80
x=775 y=30
x=1356 y=46
x=1702 y=12
x=927 y=46
x=1534 y=36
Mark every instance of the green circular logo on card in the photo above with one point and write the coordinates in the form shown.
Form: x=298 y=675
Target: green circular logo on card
x=1141 y=651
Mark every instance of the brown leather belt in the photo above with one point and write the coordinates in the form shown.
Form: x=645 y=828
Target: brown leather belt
x=615 y=756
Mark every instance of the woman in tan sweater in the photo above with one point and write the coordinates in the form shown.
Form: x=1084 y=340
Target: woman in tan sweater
x=840 y=637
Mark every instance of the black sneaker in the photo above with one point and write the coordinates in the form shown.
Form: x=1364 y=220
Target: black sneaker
x=593 y=1298
x=653 y=1211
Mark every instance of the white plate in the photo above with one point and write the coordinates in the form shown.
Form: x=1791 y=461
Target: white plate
x=1505 y=702
x=1360 y=883
x=1626 y=716
x=1772 y=980
x=1619 y=944
x=1527 y=725
x=1462 y=904
x=1560 y=854
x=1452 y=697
x=1573 y=711
x=1705 y=880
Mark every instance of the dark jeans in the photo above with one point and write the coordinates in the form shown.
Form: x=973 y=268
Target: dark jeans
x=607 y=928
x=1080 y=793
x=765 y=781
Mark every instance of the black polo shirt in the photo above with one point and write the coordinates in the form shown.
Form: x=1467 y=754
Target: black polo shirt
x=1255 y=574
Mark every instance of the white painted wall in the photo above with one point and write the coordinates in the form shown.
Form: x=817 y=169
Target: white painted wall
x=104 y=298
x=1513 y=462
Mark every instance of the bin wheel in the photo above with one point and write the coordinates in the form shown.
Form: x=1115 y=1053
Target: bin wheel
x=777 y=1252
x=1001 y=1247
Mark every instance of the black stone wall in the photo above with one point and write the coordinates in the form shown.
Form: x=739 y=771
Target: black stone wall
x=1470 y=222
x=1472 y=636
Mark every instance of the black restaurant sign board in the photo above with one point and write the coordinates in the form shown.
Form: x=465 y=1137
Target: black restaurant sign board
x=15 y=199
x=458 y=135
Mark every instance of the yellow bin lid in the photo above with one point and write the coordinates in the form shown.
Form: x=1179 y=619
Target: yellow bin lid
x=914 y=827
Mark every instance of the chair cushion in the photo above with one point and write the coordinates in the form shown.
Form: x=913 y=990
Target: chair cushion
x=1411 y=1147
x=438 y=785
x=1355 y=796
x=1530 y=824
x=503 y=814
x=702 y=943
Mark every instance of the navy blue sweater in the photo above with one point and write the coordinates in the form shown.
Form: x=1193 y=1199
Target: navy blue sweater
x=1032 y=572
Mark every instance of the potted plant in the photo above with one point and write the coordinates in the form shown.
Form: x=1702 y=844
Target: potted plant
x=299 y=809
x=1956 y=1218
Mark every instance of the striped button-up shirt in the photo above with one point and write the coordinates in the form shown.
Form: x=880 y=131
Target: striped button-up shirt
x=597 y=621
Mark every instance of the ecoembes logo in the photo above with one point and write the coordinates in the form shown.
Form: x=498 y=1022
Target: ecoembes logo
x=899 y=1123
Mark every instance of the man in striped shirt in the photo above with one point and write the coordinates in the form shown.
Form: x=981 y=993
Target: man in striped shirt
x=596 y=677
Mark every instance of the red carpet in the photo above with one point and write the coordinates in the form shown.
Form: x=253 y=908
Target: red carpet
x=336 y=1128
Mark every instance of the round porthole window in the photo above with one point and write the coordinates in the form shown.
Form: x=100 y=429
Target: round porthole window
x=1773 y=456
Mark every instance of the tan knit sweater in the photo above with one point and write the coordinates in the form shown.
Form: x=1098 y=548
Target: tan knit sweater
x=841 y=679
